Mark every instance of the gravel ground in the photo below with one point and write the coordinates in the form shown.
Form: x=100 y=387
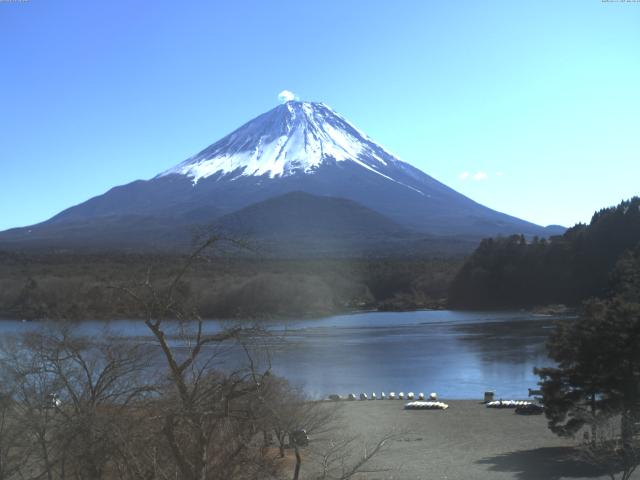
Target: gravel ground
x=466 y=441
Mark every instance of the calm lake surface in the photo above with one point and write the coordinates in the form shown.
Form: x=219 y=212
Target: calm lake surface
x=459 y=355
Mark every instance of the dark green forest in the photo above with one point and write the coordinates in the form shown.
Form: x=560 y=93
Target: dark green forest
x=568 y=269
x=75 y=286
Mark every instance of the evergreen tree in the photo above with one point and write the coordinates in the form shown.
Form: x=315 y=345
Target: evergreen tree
x=509 y=272
x=598 y=364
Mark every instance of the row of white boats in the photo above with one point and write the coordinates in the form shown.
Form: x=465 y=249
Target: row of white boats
x=418 y=402
x=383 y=396
x=508 y=404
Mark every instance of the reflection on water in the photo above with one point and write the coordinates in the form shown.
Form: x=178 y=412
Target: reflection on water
x=456 y=354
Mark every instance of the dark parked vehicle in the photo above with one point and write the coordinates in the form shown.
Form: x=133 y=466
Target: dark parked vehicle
x=300 y=438
x=530 y=409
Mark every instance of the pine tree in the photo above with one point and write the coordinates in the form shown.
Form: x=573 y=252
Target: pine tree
x=598 y=365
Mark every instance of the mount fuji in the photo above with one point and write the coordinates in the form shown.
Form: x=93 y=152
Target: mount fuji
x=297 y=168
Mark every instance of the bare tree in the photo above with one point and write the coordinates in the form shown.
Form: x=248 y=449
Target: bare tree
x=285 y=410
x=343 y=458
x=206 y=415
x=211 y=420
x=72 y=395
x=313 y=430
x=15 y=448
x=31 y=387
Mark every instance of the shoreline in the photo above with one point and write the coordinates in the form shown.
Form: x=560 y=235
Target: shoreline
x=545 y=311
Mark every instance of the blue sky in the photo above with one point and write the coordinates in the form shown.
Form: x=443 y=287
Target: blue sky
x=539 y=102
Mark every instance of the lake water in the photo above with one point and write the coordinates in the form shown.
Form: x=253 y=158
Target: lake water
x=459 y=355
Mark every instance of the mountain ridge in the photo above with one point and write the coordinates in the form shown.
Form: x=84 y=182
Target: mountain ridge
x=298 y=146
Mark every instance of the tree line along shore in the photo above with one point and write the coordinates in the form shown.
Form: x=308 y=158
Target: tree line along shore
x=502 y=273
x=68 y=286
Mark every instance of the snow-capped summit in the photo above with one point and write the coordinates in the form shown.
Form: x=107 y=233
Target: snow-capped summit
x=295 y=137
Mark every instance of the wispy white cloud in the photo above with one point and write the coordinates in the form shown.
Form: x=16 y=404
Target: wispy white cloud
x=499 y=174
x=286 y=96
x=477 y=176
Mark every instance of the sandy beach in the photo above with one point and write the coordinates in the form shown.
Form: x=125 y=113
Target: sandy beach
x=466 y=441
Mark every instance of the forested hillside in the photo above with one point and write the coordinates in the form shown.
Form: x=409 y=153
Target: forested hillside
x=88 y=286
x=516 y=272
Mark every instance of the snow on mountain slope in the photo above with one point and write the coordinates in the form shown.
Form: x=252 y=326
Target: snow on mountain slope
x=293 y=138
